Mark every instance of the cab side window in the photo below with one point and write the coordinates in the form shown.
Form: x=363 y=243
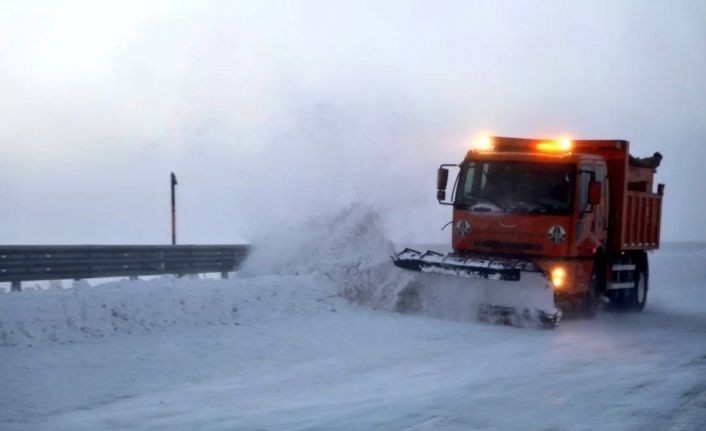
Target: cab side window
x=469 y=184
x=600 y=177
x=603 y=209
x=585 y=174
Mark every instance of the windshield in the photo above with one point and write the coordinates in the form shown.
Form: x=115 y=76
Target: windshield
x=517 y=187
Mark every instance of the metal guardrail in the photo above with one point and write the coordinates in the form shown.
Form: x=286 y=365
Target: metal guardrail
x=20 y=263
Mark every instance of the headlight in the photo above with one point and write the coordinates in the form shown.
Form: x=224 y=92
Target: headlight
x=558 y=277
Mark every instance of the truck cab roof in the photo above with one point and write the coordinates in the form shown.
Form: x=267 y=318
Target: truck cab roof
x=570 y=158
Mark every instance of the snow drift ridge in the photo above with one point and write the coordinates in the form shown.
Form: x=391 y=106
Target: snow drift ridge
x=306 y=270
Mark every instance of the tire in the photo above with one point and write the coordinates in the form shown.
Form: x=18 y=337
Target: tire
x=591 y=299
x=634 y=298
x=637 y=296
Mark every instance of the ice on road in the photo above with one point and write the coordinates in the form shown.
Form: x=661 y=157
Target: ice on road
x=293 y=352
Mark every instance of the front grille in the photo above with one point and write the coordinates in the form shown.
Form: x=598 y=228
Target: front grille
x=505 y=245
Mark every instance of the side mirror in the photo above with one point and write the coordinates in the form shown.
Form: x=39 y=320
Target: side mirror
x=442 y=178
x=594 y=193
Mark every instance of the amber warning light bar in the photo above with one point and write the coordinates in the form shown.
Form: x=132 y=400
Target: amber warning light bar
x=492 y=143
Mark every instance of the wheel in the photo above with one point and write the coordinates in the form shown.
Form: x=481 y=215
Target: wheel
x=591 y=299
x=636 y=297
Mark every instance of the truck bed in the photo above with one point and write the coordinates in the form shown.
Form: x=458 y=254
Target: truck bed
x=641 y=224
x=636 y=208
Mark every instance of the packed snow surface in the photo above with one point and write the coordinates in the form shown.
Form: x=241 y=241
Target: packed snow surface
x=306 y=338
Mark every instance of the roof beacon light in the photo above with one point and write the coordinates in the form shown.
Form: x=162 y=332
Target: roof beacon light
x=483 y=143
x=559 y=146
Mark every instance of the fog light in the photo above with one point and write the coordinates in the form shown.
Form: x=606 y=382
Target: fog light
x=558 y=276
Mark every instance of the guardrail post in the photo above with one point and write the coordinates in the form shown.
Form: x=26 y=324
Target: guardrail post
x=173 y=183
x=16 y=286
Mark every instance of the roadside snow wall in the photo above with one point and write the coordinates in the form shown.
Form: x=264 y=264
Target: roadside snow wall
x=165 y=303
x=300 y=270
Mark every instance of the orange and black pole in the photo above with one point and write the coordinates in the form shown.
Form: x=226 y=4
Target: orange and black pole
x=174 y=183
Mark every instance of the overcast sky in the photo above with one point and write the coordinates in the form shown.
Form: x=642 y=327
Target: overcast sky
x=273 y=112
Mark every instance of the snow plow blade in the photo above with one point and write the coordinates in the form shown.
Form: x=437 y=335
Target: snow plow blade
x=516 y=292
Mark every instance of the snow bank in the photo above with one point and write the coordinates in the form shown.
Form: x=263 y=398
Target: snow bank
x=166 y=303
x=300 y=270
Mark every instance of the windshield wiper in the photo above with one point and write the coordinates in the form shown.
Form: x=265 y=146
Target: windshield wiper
x=532 y=207
x=474 y=200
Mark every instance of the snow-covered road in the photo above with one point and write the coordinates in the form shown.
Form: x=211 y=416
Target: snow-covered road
x=368 y=370
x=287 y=353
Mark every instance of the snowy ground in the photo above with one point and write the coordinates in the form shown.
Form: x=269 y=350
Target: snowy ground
x=287 y=351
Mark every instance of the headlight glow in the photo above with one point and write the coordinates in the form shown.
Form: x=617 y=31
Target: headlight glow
x=558 y=277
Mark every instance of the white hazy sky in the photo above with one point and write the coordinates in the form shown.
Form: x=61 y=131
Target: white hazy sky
x=272 y=112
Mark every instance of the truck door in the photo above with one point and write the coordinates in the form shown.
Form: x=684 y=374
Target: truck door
x=586 y=223
x=601 y=217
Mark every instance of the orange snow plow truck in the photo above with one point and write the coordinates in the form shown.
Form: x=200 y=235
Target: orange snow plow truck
x=573 y=217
